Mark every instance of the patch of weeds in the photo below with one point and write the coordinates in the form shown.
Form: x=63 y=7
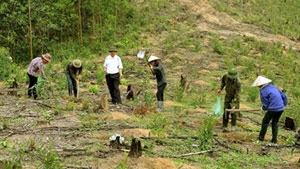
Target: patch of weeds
x=47 y=116
x=205 y=133
x=159 y=124
x=149 y=98
x=290 y=140
x=70 y=106
x=93 y=89
x=217 y=47
x=48 y=158
x=5 y=124
x=100 y=75
x=4 y=144
x=85 y=105
x=31 y=144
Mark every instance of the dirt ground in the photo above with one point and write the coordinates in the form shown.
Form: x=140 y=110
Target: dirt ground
x=66 y=129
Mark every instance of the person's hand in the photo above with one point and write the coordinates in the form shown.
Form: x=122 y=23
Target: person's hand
x=219 y=91
x=121 y=75
x=77 y=81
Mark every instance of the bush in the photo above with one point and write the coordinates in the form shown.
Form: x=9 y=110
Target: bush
x=5 y=61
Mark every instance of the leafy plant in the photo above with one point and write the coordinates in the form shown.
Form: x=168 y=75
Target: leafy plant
x=93 y=89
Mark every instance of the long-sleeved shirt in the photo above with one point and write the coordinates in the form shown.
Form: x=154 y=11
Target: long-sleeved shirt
x=232 y=87
x=73 y=71
x=272 y=98
x=159 y=72
x=113 y=64
x=36 y=67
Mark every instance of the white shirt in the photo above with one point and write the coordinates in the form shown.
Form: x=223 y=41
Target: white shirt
x=113 y=64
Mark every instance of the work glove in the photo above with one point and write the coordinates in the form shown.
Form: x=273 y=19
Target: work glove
x=219 y=91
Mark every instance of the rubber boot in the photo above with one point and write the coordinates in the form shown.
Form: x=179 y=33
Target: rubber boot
x=160 y=106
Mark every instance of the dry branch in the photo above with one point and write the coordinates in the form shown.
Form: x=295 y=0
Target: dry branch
x=241 y=110
x=196 y=153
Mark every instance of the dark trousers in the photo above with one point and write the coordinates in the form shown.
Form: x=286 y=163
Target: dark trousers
x=113 y=82
x=32 y=87
x=227 y=105
x=274 y=116
x=160 y=92
x=72 y=86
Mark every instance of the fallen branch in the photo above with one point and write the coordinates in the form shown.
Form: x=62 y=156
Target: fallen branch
x=78 y=167
x=241 y=110
x=196 y=153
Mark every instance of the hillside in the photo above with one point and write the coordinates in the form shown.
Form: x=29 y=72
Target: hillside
x=57 y=131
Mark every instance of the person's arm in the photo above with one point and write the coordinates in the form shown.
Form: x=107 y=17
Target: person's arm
x=41 y=70
x=222 y=85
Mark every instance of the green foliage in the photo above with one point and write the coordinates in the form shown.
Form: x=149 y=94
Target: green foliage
x=217 y=46
x=252 y=93
x=149 y=98
x=5 y=65
x=159 y=124
x=93 y=89
x=206 y=133
x=48 y=159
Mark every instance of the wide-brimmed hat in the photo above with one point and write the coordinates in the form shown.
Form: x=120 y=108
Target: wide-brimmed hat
x=232 y=73
x=260 y=80
x=76 y=63
x=47 y=57
x=113 y=49
x=152 y=58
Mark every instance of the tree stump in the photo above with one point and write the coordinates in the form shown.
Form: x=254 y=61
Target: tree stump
x=289 y=123
x=135 y=148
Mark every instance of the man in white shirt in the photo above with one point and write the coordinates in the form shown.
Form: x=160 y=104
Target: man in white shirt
x=113 y=69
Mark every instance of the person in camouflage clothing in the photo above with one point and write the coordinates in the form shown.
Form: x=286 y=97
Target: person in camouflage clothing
x=232 y=84
x=73 y=71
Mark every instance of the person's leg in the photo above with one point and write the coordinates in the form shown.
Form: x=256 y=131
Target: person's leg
x=276 y=116
x=110 y=87
x=116 y=89
x=264 y=125
x=70 y=84
x=74 y=85
x=160 y=94
x=227 y=105
x=31 y=87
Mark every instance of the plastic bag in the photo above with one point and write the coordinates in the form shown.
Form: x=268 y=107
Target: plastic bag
x=217 y=107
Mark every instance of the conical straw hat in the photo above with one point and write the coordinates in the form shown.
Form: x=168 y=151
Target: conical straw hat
x=260 y=80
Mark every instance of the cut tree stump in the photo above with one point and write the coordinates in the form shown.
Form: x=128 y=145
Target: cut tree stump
x=135 y=148
x=289 y=123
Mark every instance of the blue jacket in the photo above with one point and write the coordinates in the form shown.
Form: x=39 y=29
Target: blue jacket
x=272 y=98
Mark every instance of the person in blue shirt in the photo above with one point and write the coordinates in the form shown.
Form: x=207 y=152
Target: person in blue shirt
x=273 y=102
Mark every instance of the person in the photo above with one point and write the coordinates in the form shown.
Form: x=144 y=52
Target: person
x=232 y=84
x=73 y=70
x=35 y=68
x=273 y=102
x=113 y=69
x=157 y=70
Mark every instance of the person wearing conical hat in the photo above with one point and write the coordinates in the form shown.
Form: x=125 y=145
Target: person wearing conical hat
x=73 y=70
x=232 y=84
x=273 y=102
x=35 y=68
x=159 y=73
x=113 y=69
